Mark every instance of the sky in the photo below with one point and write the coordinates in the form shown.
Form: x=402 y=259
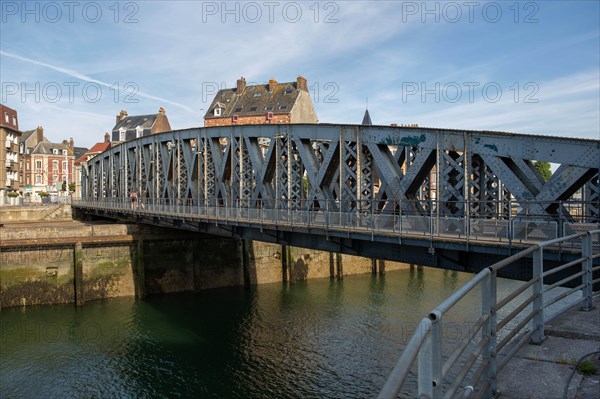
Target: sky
x=519 y=66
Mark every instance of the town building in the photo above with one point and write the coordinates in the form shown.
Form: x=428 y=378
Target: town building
x=89 y=154
x=9 y=149
x=131 y=127
x=274 y=102
x=45 y=166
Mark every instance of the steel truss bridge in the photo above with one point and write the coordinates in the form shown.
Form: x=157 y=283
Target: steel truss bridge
x=353 y=188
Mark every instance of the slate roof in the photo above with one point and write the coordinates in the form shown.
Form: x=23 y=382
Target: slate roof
x=26 y=135
x=132 y=122
x=367 y=118
x=79 y=151
x=255 y=100
x=46 y=148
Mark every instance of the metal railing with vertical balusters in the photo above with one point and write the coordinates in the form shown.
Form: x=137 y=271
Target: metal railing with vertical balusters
x=502 y=327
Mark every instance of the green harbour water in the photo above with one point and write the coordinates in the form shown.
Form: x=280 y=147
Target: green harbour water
x=316 y=339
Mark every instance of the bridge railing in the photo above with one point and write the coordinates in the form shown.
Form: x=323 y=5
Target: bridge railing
x=502 y=324
x=409 y=218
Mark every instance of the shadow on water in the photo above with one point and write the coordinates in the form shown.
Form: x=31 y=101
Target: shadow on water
x=318 y=338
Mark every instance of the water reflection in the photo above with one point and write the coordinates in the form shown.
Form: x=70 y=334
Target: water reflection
x=319 y=338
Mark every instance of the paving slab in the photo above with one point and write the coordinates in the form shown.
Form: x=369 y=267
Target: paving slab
x=534 y=379
x=541 y=371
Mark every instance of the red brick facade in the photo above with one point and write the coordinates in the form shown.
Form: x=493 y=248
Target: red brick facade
x=247 y=120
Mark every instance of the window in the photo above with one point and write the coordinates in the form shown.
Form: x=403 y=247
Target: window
x=64 y=166
x=217 y=111
x=139 y=131
x=64 y=152
x=252 y=109
x=54 y=165
x=122 y=134
x=257 y=95
x=239 y=109
x=55 y=151
x=55 y=179
x=283 y=107
x=269 y=108
x=15 y=120
x=38 y=164
x=6 y=117
x=38 y=179
x=288 y=91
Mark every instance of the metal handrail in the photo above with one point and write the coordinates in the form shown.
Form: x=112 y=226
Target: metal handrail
x=331 y=218
x=430 y=357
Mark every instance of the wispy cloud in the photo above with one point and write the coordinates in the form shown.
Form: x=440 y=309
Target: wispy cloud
x=86 y=78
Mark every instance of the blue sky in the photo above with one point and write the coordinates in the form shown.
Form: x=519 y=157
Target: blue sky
x=528 y=67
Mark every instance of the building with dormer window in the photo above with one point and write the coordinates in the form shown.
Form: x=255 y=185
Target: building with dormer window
x=135 y=126
x=274 y=102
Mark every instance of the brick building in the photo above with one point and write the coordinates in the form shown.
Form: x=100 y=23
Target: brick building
x=262 y=104
x=131 y=127
x=44 y=165
x=9 y=148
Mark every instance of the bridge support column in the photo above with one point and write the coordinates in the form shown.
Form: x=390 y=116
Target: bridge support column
x=381 y=267
x=78 y=274
x=286 y=263
x=373 y=266
x=140 y=275
x=339 y=267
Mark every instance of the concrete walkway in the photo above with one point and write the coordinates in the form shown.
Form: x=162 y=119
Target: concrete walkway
x=541 y=371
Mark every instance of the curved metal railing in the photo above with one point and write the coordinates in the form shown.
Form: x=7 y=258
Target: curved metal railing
x=502 y=327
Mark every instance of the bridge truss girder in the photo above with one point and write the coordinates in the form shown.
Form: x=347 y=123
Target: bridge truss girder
x=351 y=168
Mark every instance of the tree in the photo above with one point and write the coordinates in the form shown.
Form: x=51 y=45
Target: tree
x=544 y=169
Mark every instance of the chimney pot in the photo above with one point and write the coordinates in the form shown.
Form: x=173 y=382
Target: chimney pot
x=241 y=85
x=272 y=84
x=121 y=115
x=301 y=83
x=162 y=111
x=106 y=137
x=71 y=143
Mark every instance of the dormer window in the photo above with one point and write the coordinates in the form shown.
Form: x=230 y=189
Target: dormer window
x=257 y=94
x=269 y=108
x=139 y=131
x=15 y=120
x=55 y=151
x=217 y=111
x=283 y=107
x=64 y=152
x=288 y=91
x=122 y=134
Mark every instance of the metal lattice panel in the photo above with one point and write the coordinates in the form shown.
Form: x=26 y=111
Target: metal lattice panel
x=359 y=168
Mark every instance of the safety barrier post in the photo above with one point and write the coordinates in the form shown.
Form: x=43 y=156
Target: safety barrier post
x=430 y=360
x=587 y=278
x=538 y=292
x=488 y=308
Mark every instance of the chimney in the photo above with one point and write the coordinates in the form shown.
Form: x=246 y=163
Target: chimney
x=106 y=137
x=162 y=111
x=40 y=134
x=272 y=84
x=241 y=85
x=71 y=143
x=121 y=115
x=301 y=83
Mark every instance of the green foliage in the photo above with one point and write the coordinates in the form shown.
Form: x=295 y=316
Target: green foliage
x=544 y=169
x=587 y=367
x=12 y=194
x=43 y=194
x=72 y=187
